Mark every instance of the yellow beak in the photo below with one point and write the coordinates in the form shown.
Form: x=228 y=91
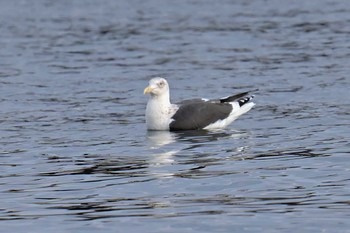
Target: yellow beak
x=147 y=90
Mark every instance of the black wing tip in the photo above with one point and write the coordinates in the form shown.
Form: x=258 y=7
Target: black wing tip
x=245 y=100
x=237 y=97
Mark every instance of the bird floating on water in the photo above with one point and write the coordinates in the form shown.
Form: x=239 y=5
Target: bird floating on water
x=192 y=114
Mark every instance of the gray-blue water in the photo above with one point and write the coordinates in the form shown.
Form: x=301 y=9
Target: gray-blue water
x=75 y=152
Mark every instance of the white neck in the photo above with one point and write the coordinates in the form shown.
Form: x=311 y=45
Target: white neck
x=158 y=112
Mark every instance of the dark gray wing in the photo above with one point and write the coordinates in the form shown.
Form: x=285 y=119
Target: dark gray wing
x=199 y=114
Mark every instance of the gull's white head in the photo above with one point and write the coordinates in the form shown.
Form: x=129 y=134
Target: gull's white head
x=157 y=87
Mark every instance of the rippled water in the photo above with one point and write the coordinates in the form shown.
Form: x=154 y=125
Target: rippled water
x=75 y=153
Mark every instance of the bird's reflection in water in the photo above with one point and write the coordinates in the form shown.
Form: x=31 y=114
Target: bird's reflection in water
x=194 y=136
x=200 y=138
x=175 y=148
x=159 y=139
x=165 y=144
x=162 y=152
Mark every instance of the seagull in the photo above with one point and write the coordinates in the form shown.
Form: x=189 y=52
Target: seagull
x=194 y=114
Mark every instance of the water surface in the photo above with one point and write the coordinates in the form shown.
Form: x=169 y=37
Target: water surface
x=75 y=153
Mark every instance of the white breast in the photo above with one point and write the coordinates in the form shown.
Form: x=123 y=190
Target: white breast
x=158 y=116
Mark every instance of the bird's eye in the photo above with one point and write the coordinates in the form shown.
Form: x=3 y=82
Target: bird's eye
x=161 y=84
